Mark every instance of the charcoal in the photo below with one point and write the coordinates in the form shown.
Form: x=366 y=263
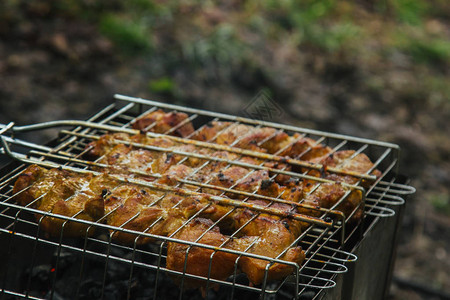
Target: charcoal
x=90 y=289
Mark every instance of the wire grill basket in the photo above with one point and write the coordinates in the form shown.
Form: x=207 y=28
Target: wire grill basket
x=324 y=241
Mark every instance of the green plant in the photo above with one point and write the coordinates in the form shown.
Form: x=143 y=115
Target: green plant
x=221 y=48
x=130 y=35
x=441 y=202
x=142 y=5
x=430 y=50
x=334 y=37
x=162 y=85
x=422 y=46
x=409 y=11
x=310 y=22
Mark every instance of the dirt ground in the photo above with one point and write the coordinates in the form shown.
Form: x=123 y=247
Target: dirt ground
x=64 y=69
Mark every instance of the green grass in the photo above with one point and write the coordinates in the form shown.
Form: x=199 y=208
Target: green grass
x=441 y=203
x=129 y=35
x=310 y=22
x=179 y=32
x=421 y=46
x=429 y=50
x=410 y=11
x=216 y=53
x=333 y=38
x=164 y=85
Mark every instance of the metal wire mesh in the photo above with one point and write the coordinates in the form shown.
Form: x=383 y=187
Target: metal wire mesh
x=323 y=241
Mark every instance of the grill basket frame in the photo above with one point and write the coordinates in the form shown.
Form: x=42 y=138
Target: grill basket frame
x=329 y=247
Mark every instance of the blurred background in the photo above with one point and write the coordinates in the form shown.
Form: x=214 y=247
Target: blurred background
x=375 y=69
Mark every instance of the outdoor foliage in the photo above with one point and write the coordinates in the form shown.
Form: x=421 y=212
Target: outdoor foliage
x=221 y=39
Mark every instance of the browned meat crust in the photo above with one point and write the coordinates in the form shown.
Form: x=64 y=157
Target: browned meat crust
x=161 y=122
x=122 y=158
x=263 y=139
x=129 y=206
x=199 y=259
x=271 y=243
x=64 y=193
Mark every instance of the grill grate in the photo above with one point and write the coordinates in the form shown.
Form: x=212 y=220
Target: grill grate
x=324 y=241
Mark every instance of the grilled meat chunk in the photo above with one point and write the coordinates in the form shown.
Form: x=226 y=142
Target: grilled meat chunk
x=263 y=139
x=103 y=198
x=219 y=264
x=128 y=206
x=274 y=242
x=64 y=193
x=34 y=182
x=96 y=149
x=158 y=121
x=346 y=160
x=201 y=261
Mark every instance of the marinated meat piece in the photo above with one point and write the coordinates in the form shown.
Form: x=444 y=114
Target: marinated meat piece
x=304 y=148
x=210 y=131
x=348 y=160
x=279 y=178
x=161 y=142
x=64 y=193
x=108 y=141
x=199 y=260
x=123 y=159
x=272 y=243
x=242 y=179
x=99 y=147
x=214 y=166
x=161 y=122
x=190 y=161
x=241 y=136
x=222 y=264
x=130 y=207
x=175 y=173
x=142 y=209
x=71 y=197
x=326 y=195
x=263 y=139
x=34 y=182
